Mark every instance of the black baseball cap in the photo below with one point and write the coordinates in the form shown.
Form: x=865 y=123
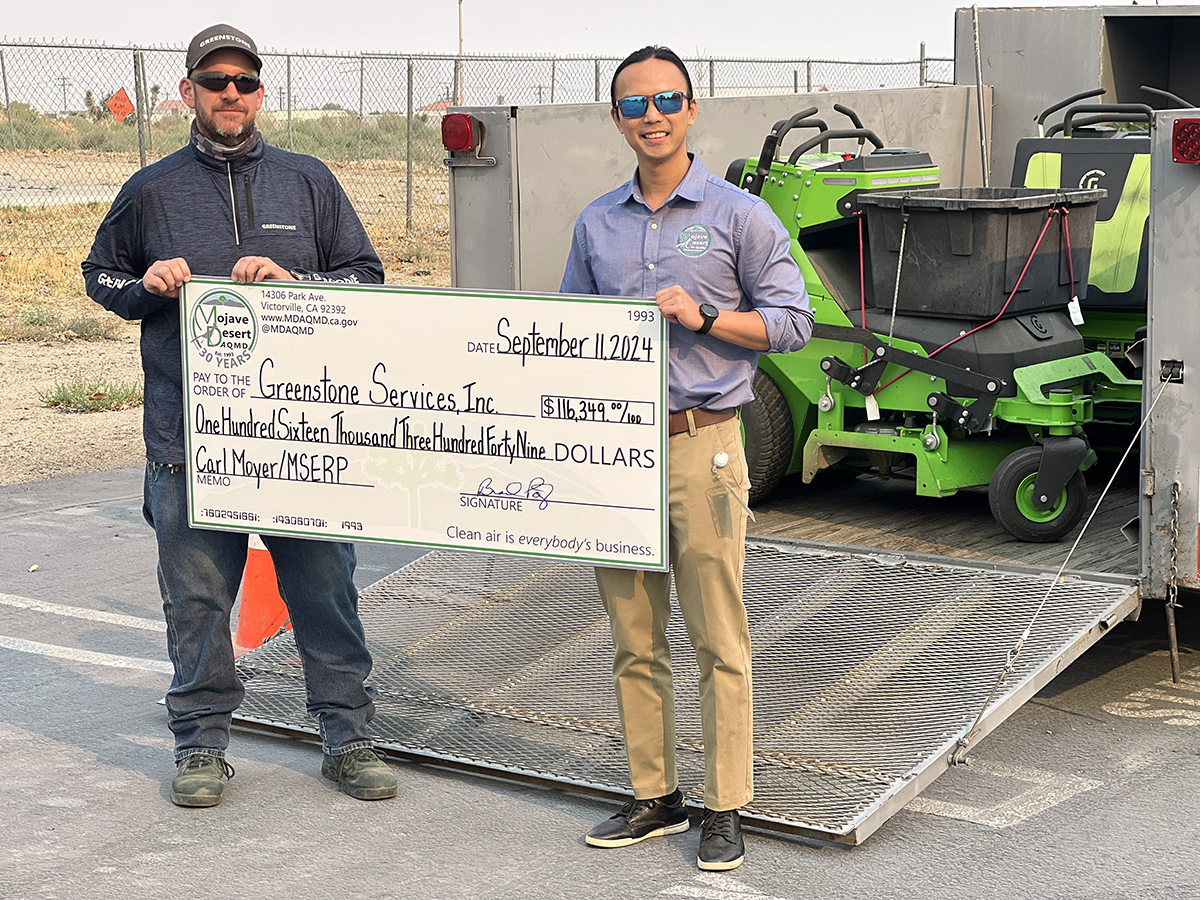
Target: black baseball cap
x=219 y=37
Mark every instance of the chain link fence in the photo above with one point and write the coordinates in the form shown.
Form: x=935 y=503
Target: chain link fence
x=69 y=137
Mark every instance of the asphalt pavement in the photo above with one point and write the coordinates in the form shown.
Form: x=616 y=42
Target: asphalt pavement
x=1092 y=790
x=20 y=192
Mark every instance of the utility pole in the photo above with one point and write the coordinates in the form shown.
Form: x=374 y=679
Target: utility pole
x=65 y=83
x=458 y=81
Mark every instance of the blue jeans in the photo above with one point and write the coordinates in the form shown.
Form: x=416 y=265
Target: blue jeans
x=199 y=573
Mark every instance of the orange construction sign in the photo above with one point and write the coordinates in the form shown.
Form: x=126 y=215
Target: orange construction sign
x=120 y=105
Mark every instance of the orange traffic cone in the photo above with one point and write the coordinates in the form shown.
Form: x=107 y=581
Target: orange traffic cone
x=263 y=612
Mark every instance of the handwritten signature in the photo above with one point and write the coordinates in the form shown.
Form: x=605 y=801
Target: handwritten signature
x=538 y=489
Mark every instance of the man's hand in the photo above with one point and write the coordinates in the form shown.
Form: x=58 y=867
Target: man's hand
x=250 y=269
x=676 y=305
x=165 y=277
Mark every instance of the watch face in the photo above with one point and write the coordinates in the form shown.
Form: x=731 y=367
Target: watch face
x=709 y=310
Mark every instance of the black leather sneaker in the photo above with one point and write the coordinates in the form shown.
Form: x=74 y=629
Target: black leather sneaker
x=641 y=819
x=200 y=780
x=360 y=773
x=721 y=844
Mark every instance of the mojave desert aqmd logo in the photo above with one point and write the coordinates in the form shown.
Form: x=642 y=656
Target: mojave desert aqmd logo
x=223 y=329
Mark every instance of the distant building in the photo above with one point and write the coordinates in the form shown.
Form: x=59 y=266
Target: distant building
x=172 y=108
x=434 y=110
x=299 y=115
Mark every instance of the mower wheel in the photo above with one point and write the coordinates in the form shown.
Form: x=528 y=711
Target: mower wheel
x=767 y=432
x=1010 y=496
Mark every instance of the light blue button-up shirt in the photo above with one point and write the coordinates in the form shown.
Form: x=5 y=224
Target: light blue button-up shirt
x=721 y=245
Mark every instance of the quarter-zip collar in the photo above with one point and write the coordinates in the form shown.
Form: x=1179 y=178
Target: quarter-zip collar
x=234 y=165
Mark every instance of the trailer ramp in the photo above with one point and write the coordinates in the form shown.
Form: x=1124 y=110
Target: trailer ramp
x=868 y=670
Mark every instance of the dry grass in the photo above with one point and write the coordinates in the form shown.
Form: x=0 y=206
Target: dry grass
x=42 y=298
x=66 y=228
x=42 y=295
x=41 y=247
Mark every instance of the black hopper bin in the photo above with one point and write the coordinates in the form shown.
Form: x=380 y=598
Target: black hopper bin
x=965 y=249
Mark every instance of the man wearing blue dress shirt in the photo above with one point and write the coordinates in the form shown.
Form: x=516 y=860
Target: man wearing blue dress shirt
x=717 y=262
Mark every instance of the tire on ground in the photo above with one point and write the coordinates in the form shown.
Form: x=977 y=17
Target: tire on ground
x=767 y=431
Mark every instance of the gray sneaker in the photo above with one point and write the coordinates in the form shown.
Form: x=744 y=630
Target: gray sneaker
x=200 y=780
x=361 y=773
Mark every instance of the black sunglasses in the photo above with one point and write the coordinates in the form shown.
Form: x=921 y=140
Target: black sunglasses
x=218 y=81
x=666 y=102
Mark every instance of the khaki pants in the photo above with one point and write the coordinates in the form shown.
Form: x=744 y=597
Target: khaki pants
x=707 y=552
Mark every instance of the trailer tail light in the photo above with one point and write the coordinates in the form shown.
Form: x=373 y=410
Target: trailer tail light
x=460 y=132
x=1185 y=141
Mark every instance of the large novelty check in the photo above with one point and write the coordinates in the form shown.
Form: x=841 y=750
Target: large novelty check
x=529 y=424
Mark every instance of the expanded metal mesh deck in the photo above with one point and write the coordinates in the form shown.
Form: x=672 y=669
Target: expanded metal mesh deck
x=867 y=670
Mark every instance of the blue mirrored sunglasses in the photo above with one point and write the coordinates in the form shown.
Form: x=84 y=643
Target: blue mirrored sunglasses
x=666 y=102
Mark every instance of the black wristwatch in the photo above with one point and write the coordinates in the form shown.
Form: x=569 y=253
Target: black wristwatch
x=710 y=314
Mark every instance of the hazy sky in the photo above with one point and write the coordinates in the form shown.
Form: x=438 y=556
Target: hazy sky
x=846 y=29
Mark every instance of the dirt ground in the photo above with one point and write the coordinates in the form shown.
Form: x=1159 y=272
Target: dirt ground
x=37 y=442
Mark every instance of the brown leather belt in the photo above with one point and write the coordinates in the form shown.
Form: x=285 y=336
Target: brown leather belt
x=679 y=420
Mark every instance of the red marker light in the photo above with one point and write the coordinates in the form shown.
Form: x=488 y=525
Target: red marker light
x=460 y=132
x=1185 y=141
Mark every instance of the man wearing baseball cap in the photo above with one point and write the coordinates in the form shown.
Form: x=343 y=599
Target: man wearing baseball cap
x=217 y=37
x=229 y=205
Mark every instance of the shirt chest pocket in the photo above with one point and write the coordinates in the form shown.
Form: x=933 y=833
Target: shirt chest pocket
x=618 y=272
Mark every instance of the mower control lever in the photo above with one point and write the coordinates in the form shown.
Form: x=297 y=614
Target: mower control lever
x=802 y=119
x=849 y=114
x=1141 y=110
x=825 y=136
x=1179 y=102
x=853 y=117
x=1098 y=119
x=1049 y=110
x=754 y=182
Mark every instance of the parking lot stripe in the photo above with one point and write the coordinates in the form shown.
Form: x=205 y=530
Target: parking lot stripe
x=77 y=612
x=84 y=656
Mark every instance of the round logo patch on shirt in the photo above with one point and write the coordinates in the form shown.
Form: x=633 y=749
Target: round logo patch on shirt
x=694 y=240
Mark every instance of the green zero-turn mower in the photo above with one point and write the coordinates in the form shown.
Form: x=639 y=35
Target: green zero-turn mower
x=942 y=344
x=1105 y=145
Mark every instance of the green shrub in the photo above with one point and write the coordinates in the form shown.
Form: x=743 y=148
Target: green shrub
x=44 y=323
x=92 y=395
x=85 y=328
x=40 y=314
